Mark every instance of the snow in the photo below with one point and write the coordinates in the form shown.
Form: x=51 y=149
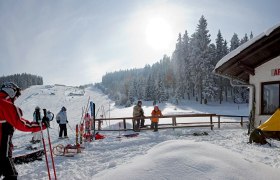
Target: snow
x=245 y=45
x=166 y=154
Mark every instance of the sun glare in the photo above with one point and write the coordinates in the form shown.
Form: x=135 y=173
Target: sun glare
x=158 y=33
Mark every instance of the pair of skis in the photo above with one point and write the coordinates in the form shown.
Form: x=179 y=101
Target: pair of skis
x=45 y=120
x=87 y=123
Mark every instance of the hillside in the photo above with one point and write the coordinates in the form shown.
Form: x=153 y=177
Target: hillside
x=167 y=154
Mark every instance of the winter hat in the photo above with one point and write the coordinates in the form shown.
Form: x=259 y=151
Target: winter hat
x=37 y=108
x=156 y=107
x=11 y=89
x=139 y=102
x=63 y=108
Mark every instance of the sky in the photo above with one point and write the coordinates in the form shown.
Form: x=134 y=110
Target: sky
x=77 y=42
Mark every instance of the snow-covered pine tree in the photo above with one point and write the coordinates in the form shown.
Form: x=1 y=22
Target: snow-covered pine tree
x=150 y=89
x=161 y=91
x=251 y=35
x=244 y=39
x=234 y=42
x=179 y=70
x=200 y=56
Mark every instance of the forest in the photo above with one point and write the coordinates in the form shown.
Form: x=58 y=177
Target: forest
x=23 y=80
x=186 y=75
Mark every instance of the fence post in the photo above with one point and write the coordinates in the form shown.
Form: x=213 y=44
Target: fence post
x=124 y=124
x=241 y=121
x=211 y=122
x=173 y=121
x=219 y=121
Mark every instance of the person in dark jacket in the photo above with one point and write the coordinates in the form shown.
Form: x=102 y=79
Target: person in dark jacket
x=11 y=119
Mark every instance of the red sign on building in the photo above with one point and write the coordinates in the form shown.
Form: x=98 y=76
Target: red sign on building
x=275 y=72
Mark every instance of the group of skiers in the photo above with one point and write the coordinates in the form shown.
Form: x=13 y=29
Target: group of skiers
x=139 y=121
x=61 y=119
x=11 y=118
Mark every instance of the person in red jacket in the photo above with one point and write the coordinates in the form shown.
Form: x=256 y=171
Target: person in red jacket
x=11 y=119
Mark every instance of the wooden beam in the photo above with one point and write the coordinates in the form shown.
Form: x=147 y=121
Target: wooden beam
x=246 y=68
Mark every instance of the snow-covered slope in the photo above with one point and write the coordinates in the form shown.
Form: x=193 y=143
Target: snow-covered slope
x=167 y=154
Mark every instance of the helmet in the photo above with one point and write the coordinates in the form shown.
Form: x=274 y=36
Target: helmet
x=139 y=102
x=63 y=108
x=11 y=89
x=37 y=107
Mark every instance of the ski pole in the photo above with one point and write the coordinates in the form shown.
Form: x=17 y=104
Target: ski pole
x=44 y=145
x=50 y=145
x=54 y=171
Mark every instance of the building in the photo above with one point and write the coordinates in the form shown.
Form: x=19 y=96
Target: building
x=256 y=64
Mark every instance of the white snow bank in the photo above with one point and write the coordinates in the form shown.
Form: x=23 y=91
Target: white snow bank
x=185 y=159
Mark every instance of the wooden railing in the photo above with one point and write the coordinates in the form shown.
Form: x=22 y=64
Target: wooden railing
x=242 y=121
x=174 y=123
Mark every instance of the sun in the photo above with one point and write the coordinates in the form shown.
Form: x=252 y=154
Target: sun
x=158 y=33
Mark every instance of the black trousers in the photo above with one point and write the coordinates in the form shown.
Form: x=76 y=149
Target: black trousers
x=7 y=168
x=138 y=123
x=63 y=129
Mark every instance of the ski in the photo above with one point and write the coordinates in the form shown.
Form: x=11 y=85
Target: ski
x=92 y=110
x=29 y=157
x=128 y=135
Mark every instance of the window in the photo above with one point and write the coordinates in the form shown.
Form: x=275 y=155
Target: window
x=270 y=94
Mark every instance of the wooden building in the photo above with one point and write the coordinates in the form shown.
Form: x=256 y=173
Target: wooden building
x=256 y=64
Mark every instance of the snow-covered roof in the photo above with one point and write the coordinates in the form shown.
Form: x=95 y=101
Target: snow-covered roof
x=246 y=46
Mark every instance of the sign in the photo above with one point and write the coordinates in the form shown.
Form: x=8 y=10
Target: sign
x=275 y=72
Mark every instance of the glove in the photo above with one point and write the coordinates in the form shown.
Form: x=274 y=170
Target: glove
x=46 y=121
x=66 y=121
x=47 y=124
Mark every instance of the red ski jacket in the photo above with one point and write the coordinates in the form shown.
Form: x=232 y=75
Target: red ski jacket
x=10 y=119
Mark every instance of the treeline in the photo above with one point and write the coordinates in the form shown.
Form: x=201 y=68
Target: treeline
x=23 y=80
x=187 y=74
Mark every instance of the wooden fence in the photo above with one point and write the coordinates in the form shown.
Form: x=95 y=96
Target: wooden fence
x=174 y=121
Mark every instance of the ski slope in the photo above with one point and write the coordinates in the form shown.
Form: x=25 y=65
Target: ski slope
x=167 y=154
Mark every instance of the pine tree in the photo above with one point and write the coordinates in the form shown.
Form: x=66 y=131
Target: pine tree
x=150 y=89
x=234 y=42
x=251 y=35
x=244 y=39
x=219 y=55
x=200 y=56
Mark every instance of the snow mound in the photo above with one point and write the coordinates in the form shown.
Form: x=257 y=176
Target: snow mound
x=186 y=159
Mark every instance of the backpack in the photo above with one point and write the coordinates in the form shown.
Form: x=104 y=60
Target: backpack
x=57 y=118
x=257 y=136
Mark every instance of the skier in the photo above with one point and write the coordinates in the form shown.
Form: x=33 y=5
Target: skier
x=10 y=119
x=37 y=116
x=138 y=113
x=61 y=119
x=155 y=113
x=50 y=115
